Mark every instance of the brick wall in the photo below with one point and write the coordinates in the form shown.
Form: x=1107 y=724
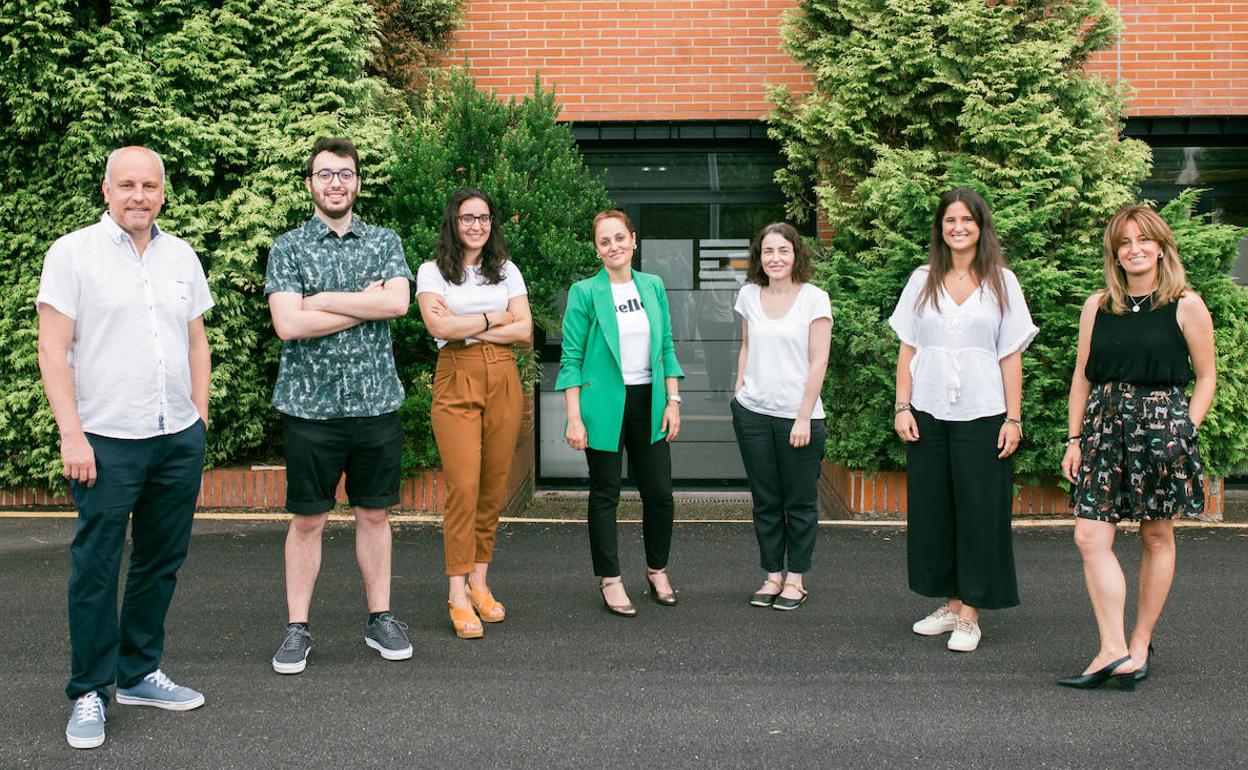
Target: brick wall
x=712 y=59
x=1182 y=57
x=633 y=59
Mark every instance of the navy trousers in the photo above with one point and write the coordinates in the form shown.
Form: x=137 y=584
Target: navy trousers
x=154 y=481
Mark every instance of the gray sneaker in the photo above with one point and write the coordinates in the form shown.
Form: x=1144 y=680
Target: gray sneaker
x=388 y=635
x=86 y=724
x=292 y=656
x=160 y=691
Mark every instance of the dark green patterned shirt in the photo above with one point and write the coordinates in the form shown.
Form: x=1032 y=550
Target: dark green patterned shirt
x=349 y=373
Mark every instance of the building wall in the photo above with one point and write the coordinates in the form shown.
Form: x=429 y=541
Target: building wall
x=713 y=59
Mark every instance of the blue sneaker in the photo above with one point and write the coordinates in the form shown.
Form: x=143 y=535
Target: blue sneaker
x=86 y=724
x=158 y=690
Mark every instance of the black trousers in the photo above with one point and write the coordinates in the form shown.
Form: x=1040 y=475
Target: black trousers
x=651 y=465
x=784 y=485
x=959 y=494
x=157 y=479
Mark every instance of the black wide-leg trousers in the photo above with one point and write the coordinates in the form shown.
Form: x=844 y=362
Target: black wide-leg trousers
x=960 y=496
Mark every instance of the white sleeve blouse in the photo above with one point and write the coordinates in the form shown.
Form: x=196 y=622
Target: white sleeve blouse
x=473 y=295
x=956 y=372
x=777 y=356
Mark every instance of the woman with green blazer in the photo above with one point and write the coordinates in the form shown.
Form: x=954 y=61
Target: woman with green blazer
x=619 y=377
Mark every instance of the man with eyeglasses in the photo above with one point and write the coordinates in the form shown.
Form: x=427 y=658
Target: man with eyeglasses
x=125 y=366
x=333 y=286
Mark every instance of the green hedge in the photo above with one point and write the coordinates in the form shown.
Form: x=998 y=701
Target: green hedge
x=911 y=99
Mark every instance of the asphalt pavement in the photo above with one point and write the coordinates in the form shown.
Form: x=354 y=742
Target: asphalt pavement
x=713 y=682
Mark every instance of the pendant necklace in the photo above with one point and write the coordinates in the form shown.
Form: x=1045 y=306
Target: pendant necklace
x=1135 y=306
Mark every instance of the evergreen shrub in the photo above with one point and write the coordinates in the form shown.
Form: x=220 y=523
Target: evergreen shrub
x=231 y=93
x=914 y=97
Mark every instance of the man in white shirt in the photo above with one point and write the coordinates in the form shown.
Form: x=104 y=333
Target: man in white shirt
x=125 y=366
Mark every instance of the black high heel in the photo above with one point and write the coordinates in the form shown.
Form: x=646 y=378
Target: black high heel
x=1141 y=673
x=1125 y=681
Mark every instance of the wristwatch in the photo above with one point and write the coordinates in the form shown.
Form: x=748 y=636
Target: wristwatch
x=674 y=397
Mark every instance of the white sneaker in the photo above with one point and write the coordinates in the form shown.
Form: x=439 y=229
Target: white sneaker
x=939 y=622
x=965 y=636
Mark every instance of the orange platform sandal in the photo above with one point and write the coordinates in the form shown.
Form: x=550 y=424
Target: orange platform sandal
x=489 y=608
x=461 y=618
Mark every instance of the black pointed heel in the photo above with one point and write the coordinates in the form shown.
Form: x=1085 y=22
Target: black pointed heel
x=1106 y=675
x=1141 y=673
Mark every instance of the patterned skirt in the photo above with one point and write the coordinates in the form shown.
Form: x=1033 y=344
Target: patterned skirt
x=1140 y=456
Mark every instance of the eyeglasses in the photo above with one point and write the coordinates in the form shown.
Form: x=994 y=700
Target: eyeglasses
x=345 y=175
x=485 y=220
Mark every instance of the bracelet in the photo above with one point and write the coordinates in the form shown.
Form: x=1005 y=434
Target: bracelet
x=1016 y=423
x=486 y=316
x=1072 y=439
x=898 y=408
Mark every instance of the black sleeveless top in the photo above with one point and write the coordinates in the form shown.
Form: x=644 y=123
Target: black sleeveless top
x=1142 y=348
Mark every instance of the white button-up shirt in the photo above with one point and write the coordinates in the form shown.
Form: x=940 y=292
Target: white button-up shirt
x=129 y=354
x=956 y=373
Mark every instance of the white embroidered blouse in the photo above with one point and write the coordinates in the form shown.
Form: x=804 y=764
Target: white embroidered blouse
x=956 y=373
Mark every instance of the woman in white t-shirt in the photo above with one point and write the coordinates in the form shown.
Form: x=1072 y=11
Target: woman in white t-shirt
x=963 y=324
x=473 y=300
x=786 y=329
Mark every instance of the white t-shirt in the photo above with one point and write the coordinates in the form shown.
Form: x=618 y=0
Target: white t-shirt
x=128 y=357
x=634 y=326
x=777 y=359
x=472 y=296
x=956 y=373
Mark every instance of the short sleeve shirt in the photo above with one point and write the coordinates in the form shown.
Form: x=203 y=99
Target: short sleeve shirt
x=473 y=295
x=777 y=360
x=956 y=372
x=350 y=373
x=129 y=354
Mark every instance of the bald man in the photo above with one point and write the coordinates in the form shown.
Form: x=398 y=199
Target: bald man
x=125 y=367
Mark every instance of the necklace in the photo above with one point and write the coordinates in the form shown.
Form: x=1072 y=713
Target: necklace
x=961 y=276
x=1135 y=306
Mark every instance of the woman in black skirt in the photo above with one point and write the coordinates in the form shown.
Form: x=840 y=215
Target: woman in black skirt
x=1132 y=451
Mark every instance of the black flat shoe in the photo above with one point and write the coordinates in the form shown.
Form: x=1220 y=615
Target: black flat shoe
x=1106 y=675
x=785 y=603
x=766 y=600
x=667 y=600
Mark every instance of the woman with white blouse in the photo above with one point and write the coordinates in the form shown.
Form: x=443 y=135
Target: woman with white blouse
x=473 y=300
x=786 y=328
x=963 y=325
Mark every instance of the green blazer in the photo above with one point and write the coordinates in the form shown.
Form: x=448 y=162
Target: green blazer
x=591 y=355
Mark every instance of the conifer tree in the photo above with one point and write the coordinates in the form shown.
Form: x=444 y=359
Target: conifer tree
x=914 y=97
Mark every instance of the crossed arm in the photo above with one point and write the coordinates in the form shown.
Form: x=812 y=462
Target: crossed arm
x=513 y=326
x=297 y=318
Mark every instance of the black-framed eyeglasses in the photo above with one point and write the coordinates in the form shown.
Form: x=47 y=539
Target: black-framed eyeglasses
x=345 y=175
x=485 y=220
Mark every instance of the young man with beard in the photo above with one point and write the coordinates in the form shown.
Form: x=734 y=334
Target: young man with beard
x=333 y=286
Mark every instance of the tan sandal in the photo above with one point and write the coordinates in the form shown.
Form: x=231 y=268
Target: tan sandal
x=623 y=610
x=462 y=618
x=489 y=608
x=762 y=599
x=667 y=599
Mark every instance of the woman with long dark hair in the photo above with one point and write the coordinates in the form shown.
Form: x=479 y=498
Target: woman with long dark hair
x=1132 y=451
x=963 y=325
x=474 y=301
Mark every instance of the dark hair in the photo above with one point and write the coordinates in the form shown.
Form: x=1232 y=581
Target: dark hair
x=803 y=267
x=988 y=262
x=610 y=214
x=338 y=146
x=449 y=252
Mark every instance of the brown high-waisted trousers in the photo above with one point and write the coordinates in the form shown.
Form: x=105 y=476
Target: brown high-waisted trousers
x=476 y=419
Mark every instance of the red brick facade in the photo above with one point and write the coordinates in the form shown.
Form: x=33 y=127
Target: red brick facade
x=713 y=59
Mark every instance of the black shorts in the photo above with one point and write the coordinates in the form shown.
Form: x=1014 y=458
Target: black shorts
x=318 y=452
